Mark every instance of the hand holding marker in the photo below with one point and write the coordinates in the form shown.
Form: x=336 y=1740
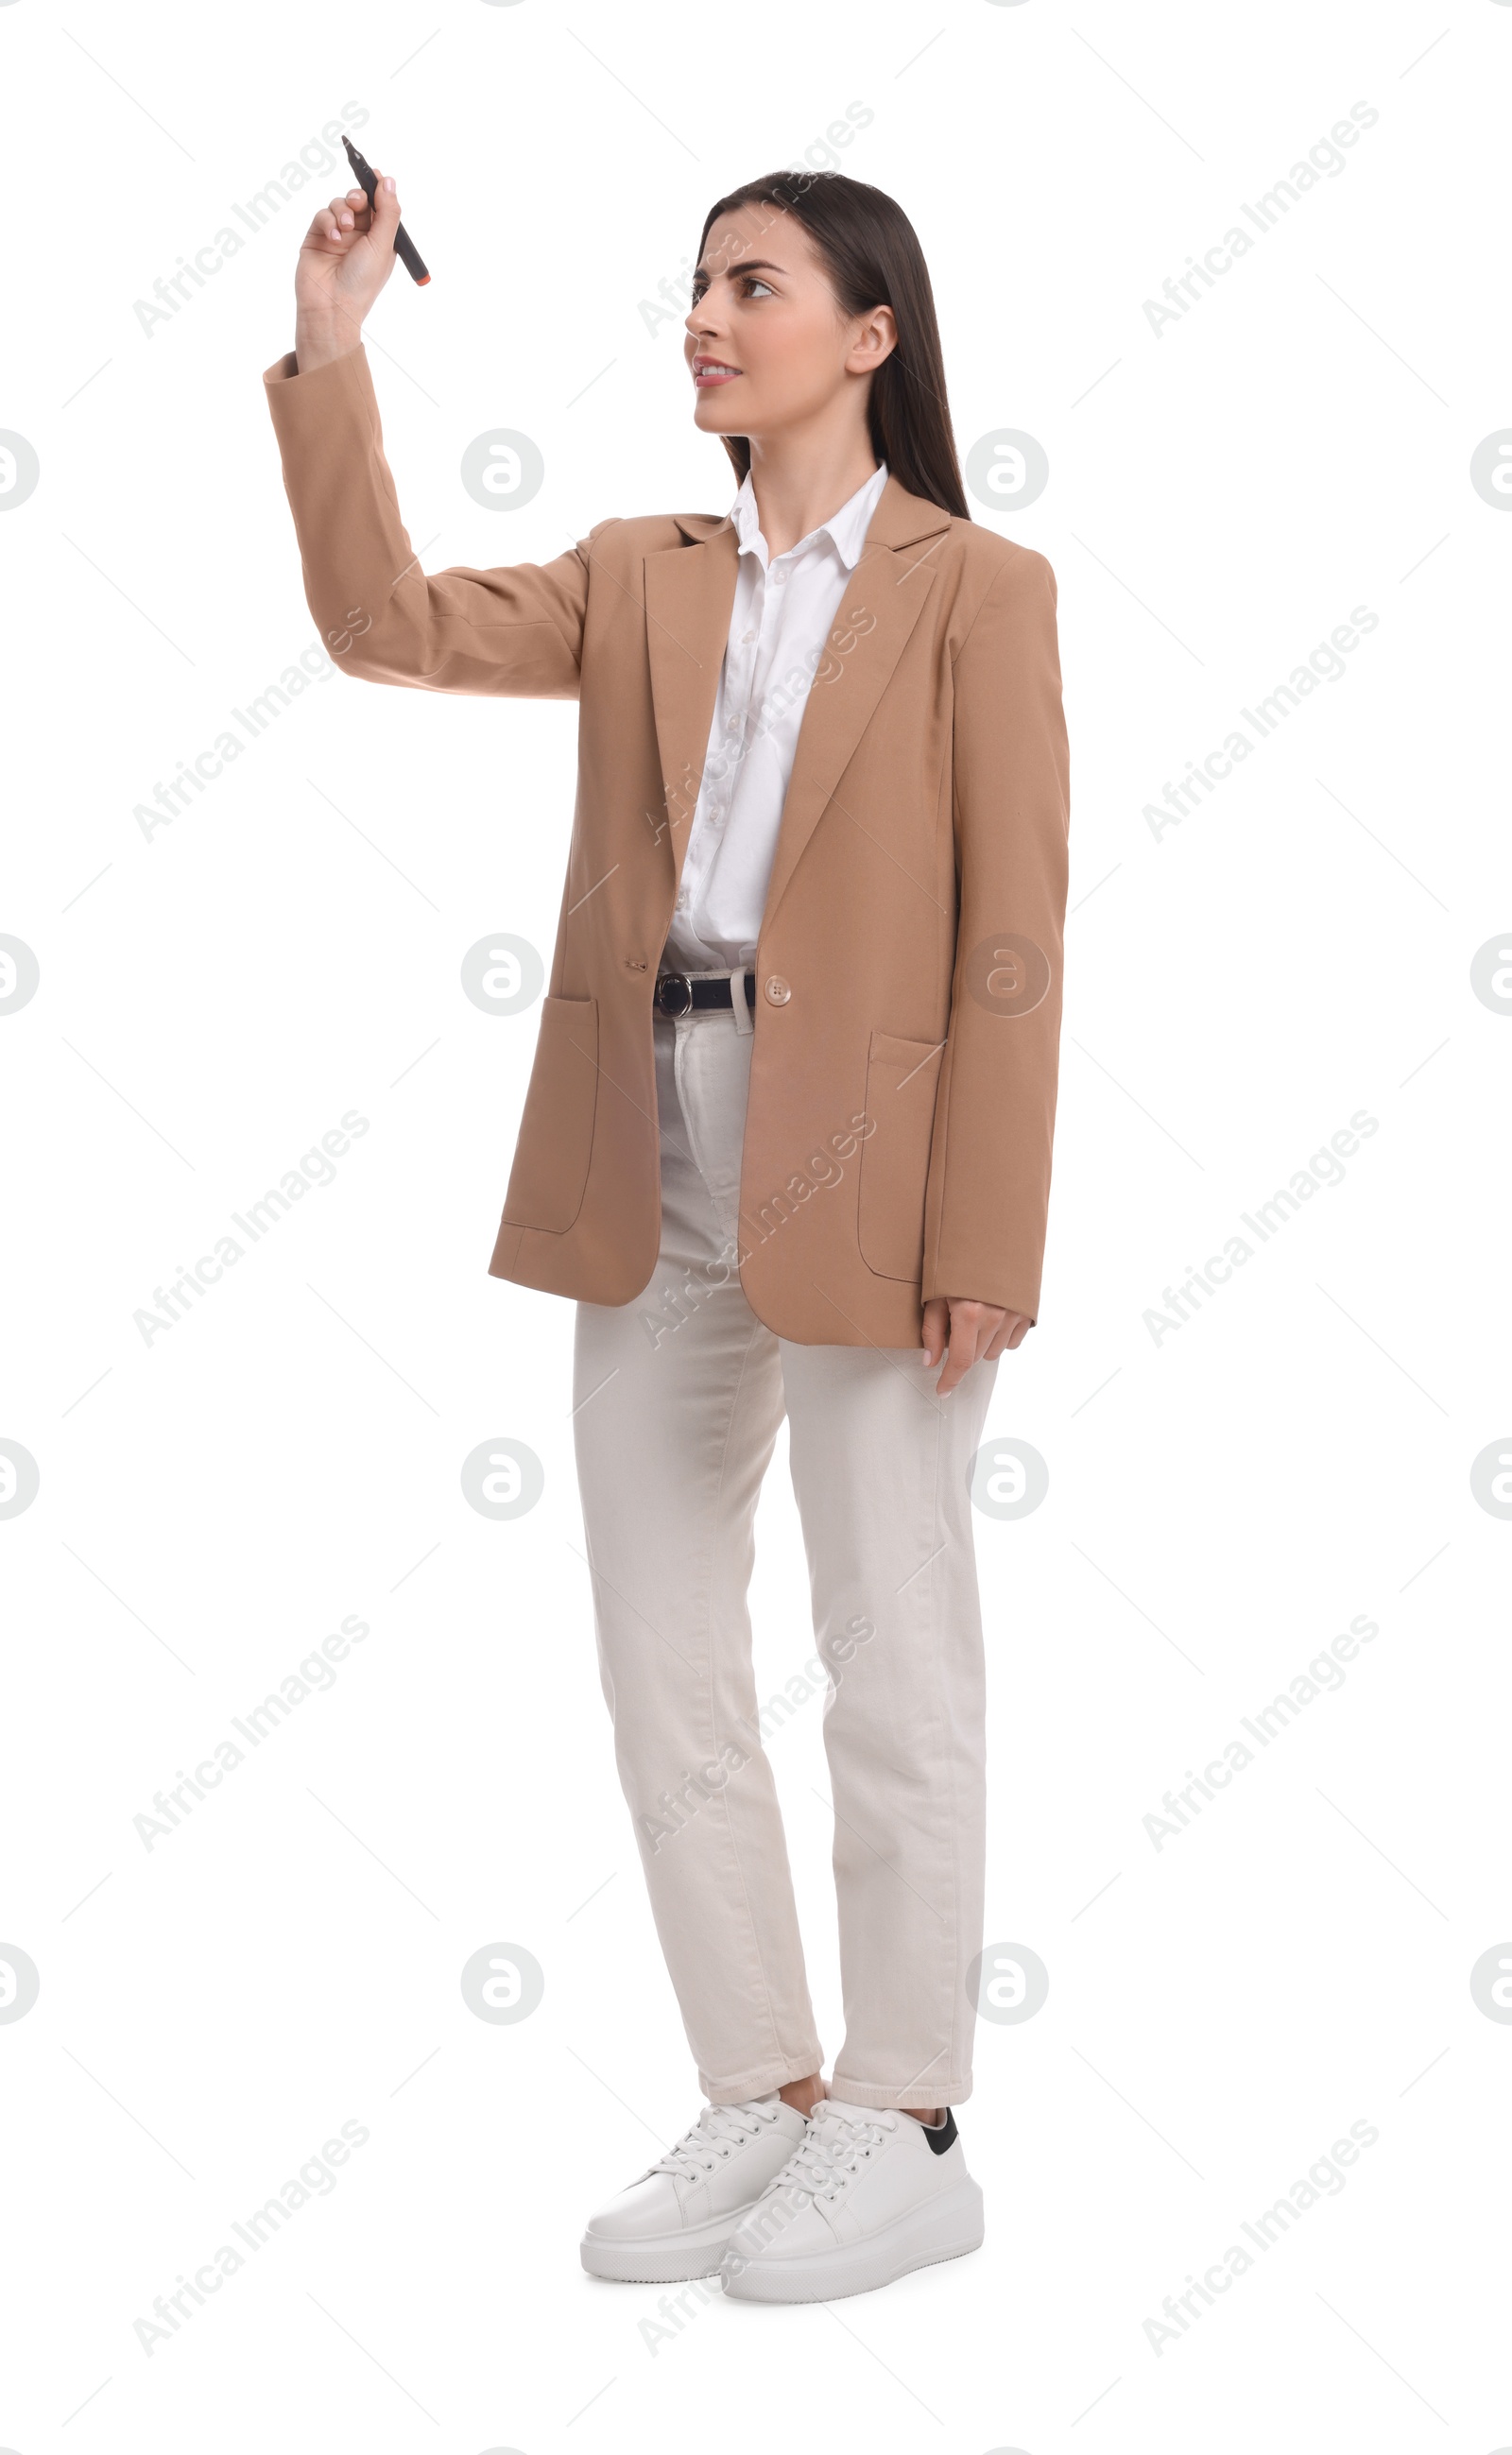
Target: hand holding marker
x=404 y=246
x=345 y=257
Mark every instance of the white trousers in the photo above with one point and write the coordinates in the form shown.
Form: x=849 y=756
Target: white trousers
x=678 y=1397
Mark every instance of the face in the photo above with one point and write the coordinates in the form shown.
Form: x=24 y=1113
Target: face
x=767 y=346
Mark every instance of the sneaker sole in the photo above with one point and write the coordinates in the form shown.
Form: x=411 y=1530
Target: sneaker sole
x=665 y=2258
x=948 y=2227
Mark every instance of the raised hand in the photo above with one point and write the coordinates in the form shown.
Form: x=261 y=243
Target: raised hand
x=346 y=257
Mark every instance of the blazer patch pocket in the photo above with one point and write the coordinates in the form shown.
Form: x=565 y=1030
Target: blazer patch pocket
x=901 y=1079
x=550 y=1172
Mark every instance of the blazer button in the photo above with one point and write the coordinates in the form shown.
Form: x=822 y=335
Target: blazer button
x=778 y=990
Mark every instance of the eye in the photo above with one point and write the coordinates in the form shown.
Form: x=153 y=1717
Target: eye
x=749 y=282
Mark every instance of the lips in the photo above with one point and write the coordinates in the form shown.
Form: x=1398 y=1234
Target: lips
x=709 y=371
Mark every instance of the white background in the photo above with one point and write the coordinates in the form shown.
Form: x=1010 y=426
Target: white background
x=1221 y=1503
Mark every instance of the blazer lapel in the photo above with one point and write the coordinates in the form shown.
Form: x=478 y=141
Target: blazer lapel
x=883 y=598
x=689 y=592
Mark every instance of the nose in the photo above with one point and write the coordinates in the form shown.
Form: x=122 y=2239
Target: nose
x=702 y=321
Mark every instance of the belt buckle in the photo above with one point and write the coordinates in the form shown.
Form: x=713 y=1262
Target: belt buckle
x=668 y=981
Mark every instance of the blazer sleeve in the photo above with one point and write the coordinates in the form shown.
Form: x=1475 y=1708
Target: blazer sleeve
x=516 y=632
x=989 y=1162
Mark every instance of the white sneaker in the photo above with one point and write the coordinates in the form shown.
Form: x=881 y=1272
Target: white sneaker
x=675 y=2222
x=867 y=2197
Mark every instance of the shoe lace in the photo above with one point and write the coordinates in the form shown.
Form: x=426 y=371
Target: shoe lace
x=830 y=2153
x=718 y=2131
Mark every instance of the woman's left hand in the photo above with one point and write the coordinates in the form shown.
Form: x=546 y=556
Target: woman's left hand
x=973 y=1332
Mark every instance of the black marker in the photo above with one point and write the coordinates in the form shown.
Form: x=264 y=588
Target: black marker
x=404 y=246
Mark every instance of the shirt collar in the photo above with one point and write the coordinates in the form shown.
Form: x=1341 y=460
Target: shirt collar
x=846 y=529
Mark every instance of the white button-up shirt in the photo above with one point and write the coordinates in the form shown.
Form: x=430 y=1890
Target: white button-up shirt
x=783 y=615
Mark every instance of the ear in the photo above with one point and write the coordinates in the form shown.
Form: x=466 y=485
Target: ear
x=876 y=341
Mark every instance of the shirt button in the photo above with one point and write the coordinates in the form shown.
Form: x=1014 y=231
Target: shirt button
x=779 y=576
x=747 y=637
x=778 y=990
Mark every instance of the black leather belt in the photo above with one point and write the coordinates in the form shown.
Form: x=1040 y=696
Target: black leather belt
x=675 y=993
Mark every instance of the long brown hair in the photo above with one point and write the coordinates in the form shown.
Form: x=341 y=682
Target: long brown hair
x=872 y=254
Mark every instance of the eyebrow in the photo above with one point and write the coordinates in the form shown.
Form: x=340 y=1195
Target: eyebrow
x=742 y=264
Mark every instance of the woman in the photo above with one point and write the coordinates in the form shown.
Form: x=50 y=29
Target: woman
x=787 y=1144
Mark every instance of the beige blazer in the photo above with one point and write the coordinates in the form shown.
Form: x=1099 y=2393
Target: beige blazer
x=908 y=971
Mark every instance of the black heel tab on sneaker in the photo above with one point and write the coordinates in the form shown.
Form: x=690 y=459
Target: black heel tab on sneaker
x=941 y=2135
